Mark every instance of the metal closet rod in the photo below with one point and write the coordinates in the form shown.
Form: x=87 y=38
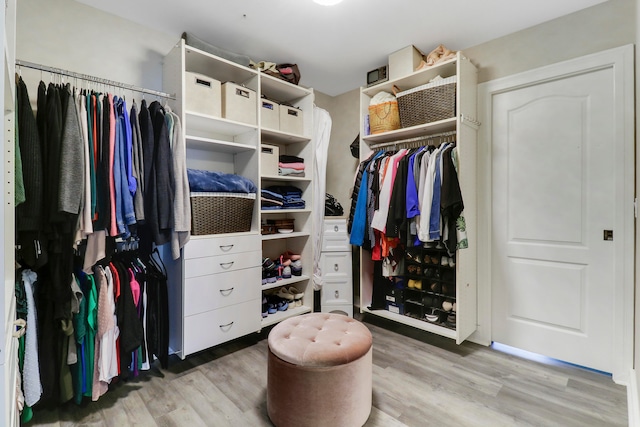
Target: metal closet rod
x=94 y=79
x=412 y=140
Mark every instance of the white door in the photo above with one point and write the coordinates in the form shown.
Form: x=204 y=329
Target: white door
x=561 y=208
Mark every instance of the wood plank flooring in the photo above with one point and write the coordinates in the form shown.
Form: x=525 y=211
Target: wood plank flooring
x=419 y=379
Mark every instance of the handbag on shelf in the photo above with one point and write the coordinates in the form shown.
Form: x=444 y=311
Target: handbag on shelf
x=287 y=72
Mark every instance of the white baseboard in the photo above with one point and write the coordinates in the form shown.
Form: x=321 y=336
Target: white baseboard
x=633 y=398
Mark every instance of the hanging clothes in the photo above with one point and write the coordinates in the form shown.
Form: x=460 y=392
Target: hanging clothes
x=399 y=201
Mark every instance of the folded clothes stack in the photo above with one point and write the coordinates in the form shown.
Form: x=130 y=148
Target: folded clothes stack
x=281 y=197
x=290 y=165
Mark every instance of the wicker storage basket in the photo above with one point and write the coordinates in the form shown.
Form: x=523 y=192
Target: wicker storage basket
x=384 y=117
x=215 y=213
x=428 y=103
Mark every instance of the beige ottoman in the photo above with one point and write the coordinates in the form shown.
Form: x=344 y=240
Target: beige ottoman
x=319 y=372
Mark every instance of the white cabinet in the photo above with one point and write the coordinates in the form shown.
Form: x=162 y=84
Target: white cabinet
x=215 y=286
x=464 y=124
x=214 y=296
x=336 y=267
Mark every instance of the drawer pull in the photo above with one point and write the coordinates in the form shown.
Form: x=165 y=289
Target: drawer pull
x=336 y=267
x=226 y=265
x=226 y=292
x=226 y=248
x=335 y=228
x=227 y=326
x=337 y=294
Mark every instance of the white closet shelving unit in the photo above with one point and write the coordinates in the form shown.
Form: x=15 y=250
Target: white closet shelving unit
x=465 y=125
x=300 y=240
x=215 y=286
x=8 y=344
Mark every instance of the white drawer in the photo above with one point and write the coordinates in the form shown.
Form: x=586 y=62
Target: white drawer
x=335 y=265
x=212 y=246
x=338 y=226
x=220 y=264
x=214 y=291
x=336 y=292
x=215 y=327
x=335 y=236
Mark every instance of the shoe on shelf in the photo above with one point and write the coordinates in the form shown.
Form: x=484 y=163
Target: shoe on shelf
x=268 y=264
x=272 y=276
x=296 y=268
x=286 y=272
x=285 y=294
x=447 y=305
x=432 y=315
x=290 y=255
x=296 y=293
x=265 y=307
x=272 y=308
x=451 y=320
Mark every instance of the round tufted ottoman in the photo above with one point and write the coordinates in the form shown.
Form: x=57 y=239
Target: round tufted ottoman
x=319 y=372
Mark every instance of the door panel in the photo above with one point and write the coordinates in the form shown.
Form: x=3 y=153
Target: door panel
x=554 y=192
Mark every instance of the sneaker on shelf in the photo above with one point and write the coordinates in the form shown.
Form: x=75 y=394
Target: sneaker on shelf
x=268 y=264
x=291 y=256
x=286 y=272
x=265 y=307
x=285 y=294
x=272 y=276
x=295 y=292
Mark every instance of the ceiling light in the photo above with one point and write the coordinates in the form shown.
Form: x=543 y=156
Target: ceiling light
x=327 y=2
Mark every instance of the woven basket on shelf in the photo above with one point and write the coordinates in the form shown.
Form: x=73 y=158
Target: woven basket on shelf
x=428 y=103
x=215 y=213
x=384 y=117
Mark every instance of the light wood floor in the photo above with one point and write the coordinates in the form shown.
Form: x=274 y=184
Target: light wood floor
x=419 y=380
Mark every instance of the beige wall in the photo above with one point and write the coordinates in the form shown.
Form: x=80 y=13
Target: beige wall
x=606 y=25
x=72 y=36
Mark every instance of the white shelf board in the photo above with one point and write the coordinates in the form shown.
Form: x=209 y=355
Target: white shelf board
x=281 y=91
x=221 y=69
x=283 y=211
x=218 y=145
x=279 y=236
x=410 y=321
x=420 y=77
x=284 y=138
x=285 y=282
x=285 y=178
x=216 y=125
x=445 y=125
x=279 y=316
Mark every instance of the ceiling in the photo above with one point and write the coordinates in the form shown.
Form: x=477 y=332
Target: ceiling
x=335 y=46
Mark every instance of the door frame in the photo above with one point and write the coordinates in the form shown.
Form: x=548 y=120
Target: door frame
x=621 y=60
